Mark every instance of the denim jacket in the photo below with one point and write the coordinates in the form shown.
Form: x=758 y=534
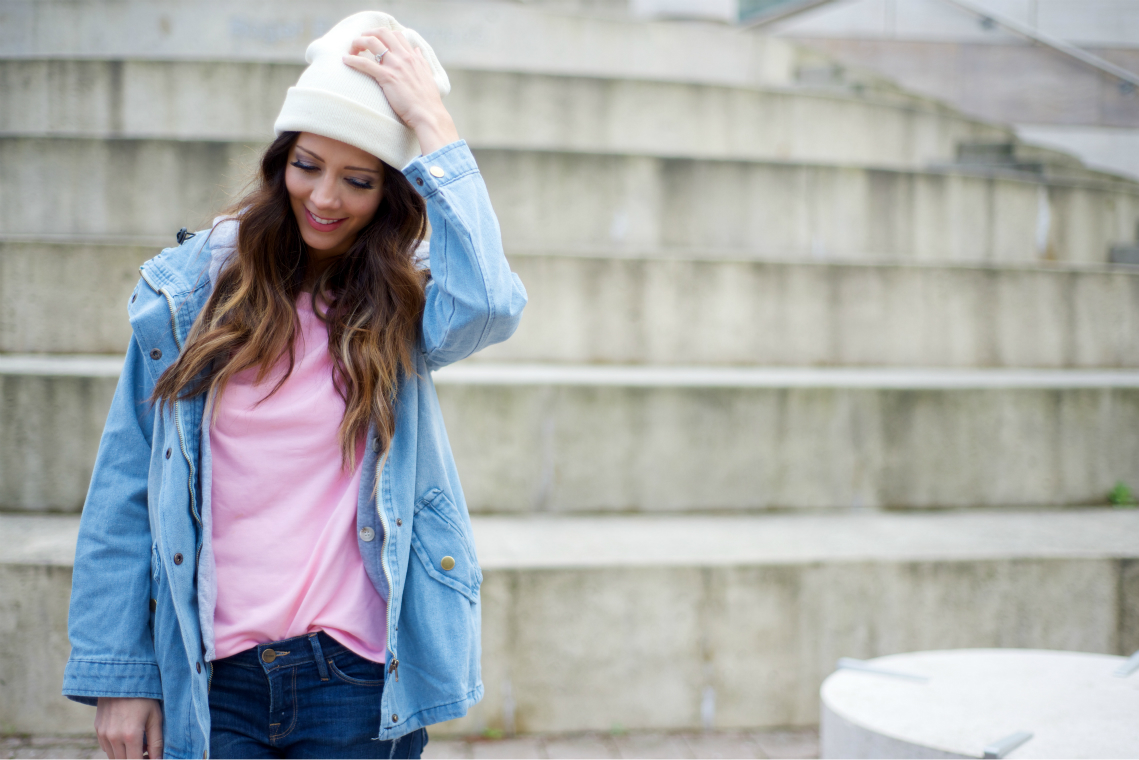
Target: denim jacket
x=144 y=585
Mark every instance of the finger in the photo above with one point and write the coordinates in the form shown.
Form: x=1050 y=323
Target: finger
x=366 y=43
x=371 y=68
x=103 y=745
x=134 y=745
x=394 y=40
x=119 y=749
x=154 y=734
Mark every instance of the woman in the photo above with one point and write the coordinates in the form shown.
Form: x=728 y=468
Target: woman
x=275 y=557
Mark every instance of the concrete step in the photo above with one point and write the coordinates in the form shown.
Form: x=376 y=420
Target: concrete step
x=568 y=201
x=238 y=101
x=590 y=309
x=676 y=623
x=496 y=36
x=573 y=439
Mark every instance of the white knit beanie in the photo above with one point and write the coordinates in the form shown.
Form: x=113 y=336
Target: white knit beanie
x=333 y=100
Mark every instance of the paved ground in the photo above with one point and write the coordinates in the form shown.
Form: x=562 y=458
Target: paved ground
x=712 y=744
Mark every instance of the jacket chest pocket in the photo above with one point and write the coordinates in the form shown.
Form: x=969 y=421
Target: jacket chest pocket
x=443 y=548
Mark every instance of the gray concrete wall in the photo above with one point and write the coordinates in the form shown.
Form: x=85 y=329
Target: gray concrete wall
x=660 y=311
x=563 y=201
x=49 y=435
x=597 y=448
x=566 y=446
x=491 y=36
x=214 y=100
x=590 y=637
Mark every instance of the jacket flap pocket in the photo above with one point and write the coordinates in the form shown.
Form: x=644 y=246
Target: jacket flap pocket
x=443 y=548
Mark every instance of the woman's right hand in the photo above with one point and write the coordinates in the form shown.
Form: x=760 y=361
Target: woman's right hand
x=121 y=723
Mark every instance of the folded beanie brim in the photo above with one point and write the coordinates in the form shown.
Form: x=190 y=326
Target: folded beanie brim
x=308 y=110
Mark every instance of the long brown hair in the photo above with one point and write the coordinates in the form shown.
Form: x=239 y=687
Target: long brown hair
x=372 y=296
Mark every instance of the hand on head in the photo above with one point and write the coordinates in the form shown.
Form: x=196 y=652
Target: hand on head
x=405 y=76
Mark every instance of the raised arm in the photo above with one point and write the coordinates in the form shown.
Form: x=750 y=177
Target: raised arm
x=473 y=299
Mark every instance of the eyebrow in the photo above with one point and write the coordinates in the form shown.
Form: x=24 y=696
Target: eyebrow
x=349 y=168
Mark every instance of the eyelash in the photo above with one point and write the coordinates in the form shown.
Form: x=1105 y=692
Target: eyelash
x=357 y=183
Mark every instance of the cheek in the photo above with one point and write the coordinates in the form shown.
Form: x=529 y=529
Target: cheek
x=296 y=185
x=364 y=207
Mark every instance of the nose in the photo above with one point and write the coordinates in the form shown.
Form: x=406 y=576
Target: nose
x=324 y=196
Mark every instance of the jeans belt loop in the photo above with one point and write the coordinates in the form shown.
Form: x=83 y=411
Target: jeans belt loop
x=318 y=653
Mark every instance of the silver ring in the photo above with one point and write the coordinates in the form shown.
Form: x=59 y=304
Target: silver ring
x=380 y=57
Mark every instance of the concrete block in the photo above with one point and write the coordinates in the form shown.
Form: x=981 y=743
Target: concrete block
x=238 y=101
x=586 y=309
x=50 y=426
x=592 y=622
x=592 y=439
x=578 y=445
x=34 y=649
x=615 y=310
x=490 y=36
x=558 y=201
x=67 y=297
x=118 y=187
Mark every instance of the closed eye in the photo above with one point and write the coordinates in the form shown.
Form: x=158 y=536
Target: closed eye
x=305 y=167
x=363 y=184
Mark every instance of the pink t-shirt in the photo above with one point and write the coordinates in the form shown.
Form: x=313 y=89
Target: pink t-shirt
x=284 y=510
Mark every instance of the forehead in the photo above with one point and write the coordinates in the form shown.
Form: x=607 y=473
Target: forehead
x=336 y=153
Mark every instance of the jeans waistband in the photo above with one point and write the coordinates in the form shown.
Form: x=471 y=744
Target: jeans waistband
x=313 y=647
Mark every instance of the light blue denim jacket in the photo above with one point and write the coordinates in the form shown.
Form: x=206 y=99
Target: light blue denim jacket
x=145 y=529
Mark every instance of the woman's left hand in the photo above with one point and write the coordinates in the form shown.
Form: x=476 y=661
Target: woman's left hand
x=406 y=79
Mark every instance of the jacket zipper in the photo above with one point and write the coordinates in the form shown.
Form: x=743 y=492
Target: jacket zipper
x=393 y=667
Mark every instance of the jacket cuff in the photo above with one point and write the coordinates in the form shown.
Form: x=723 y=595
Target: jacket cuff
x=451 y=162
x=87 y=680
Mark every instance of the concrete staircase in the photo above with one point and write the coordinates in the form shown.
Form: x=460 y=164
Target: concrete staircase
x=776 y=329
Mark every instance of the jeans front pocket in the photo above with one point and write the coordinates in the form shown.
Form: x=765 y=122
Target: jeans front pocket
x=354 y=669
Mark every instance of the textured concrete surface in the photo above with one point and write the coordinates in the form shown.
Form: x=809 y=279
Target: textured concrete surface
x=790 y=743
x=68 y=297
x=199 y=100
x=549 y=438
x=610 y=310
x=583 y=201
x=586 y=309
x=676 y=624
x=499 y=36
x=559 y=443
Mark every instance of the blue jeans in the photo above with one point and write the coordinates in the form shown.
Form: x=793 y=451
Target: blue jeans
x=307 y=696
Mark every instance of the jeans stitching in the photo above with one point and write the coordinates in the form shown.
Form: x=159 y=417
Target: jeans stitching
x=349 y=679
x=293 y=724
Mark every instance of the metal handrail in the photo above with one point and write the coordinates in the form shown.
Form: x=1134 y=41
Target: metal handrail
x=1128 y=78
x=1059 y=45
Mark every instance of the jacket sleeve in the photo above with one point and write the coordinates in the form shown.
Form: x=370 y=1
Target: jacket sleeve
x=112 y=650
x=473 y=299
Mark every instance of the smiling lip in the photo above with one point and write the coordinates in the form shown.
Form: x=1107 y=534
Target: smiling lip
x=320 y=226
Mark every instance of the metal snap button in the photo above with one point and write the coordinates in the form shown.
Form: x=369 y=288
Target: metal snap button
x=156 y=353
x=448 y=563
x=367 y=534
x=134 y=297
x=395 y=719
x=178 y=559
x=268 y=655
x=168 y=453
x=399 y=521
x=198 y=665
x=436 y=171
x=419 y=181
